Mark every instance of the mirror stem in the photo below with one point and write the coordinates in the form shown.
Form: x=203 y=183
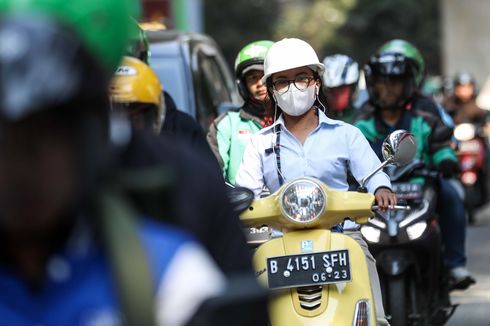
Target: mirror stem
x=362 y=187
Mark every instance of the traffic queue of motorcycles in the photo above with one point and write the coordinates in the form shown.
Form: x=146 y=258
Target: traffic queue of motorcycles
x=352 y=198
x=328 y=283
x=316 y=274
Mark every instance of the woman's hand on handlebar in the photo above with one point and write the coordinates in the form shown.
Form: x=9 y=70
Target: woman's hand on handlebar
x=385 y=198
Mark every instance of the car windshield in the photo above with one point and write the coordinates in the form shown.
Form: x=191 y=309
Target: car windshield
x=171 y=72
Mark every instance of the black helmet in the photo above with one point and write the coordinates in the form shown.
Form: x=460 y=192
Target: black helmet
x=386 y=66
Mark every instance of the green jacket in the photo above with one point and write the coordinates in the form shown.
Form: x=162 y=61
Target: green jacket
x=432 y=144
x=347 y=115
x=228 y=135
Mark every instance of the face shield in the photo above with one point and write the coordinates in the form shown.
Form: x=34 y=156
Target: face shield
x=147 y=116
x=390 y=80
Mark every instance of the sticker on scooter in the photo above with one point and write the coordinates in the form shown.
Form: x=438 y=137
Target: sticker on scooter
x=306 y=246
x=309 y=269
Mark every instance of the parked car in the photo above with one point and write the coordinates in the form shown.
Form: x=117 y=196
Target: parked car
x=193 y=71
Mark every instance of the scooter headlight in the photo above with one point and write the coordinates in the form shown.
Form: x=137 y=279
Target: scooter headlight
x=416 y=230
x=464 y=131
x=371 y=234
x=303 y=201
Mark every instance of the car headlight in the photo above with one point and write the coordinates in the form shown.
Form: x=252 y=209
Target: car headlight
x=371 y=234
x=464 y=132
x=303 y=201
x=416 y=230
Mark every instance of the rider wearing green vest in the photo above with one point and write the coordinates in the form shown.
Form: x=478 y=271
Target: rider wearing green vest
x=229 y=133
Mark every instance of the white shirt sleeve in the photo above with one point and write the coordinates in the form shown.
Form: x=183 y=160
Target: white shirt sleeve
x=250 y=173
x=191 y=278
x=363 y=161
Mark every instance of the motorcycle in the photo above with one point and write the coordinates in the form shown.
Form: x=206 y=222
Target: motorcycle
x=408 y=250
x=317 y=277
x=472 y=158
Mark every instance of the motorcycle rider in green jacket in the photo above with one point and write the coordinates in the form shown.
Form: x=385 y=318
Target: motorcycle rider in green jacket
x=229 y=133
x=392 y=77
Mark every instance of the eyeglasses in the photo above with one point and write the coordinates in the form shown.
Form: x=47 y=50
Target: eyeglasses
x=300 y=82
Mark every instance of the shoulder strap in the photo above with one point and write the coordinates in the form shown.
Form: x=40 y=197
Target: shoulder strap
x=277 y=151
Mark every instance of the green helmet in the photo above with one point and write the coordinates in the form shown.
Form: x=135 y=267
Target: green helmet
x=408 y=50
x=252 y=56
x=139 y=45
x=103 y=25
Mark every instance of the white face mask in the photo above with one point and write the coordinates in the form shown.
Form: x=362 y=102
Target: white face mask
x=295 y=102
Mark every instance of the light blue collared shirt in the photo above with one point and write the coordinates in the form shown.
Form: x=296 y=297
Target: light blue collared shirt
x=327 y=154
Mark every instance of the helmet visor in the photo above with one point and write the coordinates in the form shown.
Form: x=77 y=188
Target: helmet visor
x=389 y=65
x=142 y=115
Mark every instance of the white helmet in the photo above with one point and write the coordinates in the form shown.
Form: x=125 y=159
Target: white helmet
x=340 y=70
x=290 y=53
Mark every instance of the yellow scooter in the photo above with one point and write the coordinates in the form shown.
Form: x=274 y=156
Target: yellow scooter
x=317 y=277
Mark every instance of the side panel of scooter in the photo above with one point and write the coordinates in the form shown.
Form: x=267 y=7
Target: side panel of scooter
x=337 y=306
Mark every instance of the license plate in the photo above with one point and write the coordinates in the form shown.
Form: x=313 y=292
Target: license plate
x=408 y=190
x=471 y=146
x=309 y=269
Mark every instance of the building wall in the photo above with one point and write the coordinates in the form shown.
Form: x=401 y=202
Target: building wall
x=466 y=37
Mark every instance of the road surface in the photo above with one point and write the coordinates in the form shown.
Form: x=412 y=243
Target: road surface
x=474 y=303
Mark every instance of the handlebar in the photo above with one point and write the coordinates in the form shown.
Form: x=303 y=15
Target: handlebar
x=394 y=208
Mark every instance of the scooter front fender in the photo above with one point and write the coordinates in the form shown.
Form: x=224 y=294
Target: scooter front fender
x=336 y=307
x=394 y=262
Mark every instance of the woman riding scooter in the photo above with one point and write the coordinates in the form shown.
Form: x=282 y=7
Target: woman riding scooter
x=304 y=142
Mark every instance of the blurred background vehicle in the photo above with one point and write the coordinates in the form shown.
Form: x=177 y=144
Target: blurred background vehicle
x=194 y=73
x=472 y=159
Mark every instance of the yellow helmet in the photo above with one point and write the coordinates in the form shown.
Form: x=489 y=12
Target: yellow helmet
x=136 y=89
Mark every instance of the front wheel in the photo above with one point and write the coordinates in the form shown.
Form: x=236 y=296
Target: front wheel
x=472 y=199
x=396 y=300
x=471 y=215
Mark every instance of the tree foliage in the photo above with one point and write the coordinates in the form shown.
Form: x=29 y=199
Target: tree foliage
x=233 y=24
x=371 y=23
x=354 y=27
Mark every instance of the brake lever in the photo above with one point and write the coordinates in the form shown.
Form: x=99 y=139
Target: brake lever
x=393 y=208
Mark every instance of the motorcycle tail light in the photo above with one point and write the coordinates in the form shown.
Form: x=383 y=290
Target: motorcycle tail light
x=361 y=316
x=468 y=178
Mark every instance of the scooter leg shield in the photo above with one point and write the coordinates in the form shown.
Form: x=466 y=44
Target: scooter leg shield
x=316 y=304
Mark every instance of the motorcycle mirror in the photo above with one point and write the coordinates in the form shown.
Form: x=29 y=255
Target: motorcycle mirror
x=240 y=198
x=399 y=147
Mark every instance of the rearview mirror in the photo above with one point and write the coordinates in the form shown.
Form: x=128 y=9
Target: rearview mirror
x=399 y=147
x=240 y=198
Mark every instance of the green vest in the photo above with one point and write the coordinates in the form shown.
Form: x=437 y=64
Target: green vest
x=230 y=135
